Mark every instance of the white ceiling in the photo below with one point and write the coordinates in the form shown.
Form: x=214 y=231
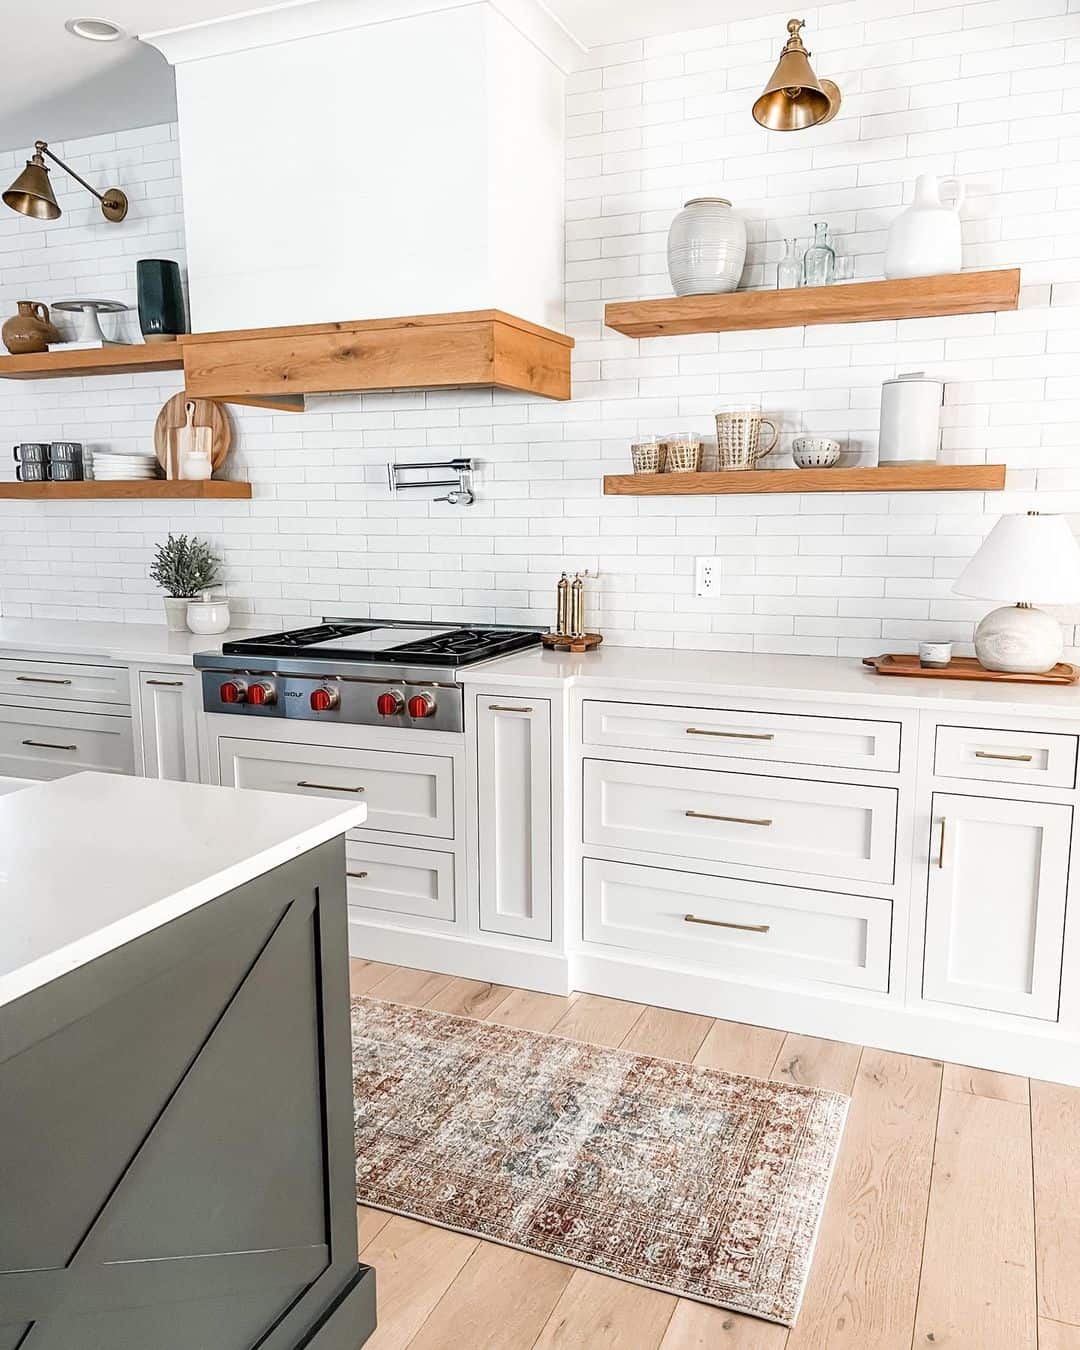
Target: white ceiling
x=56 y=86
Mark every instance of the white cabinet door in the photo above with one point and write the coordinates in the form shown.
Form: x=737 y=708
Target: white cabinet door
x=996 y=904
x=513 y=742
x=169 y=725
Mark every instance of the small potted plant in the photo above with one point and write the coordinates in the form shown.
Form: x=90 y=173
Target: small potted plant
x=183 y=567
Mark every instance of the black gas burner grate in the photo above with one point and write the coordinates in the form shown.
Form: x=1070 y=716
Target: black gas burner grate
x=453 y=647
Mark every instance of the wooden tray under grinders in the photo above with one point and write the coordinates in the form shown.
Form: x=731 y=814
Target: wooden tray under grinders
x=966 y=668
x=563 y=642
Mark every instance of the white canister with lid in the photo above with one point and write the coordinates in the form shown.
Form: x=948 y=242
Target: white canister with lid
x=209 y=614
x=910 y=419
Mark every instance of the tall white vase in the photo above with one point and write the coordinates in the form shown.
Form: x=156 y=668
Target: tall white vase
x=924 y=240
x=706 y=247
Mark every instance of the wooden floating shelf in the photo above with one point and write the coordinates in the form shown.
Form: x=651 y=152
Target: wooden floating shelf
x=114 y=360
x=858 y=302
x=888 y=478
x=275 y=367
x=151 y=488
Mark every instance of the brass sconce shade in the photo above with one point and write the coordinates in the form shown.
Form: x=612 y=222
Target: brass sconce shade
x=795 y=98
x=31 y=193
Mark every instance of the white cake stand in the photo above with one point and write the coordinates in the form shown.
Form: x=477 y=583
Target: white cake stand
x=87 y=325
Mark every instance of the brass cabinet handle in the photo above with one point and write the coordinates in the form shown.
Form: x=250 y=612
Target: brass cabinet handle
x=733 y=735
x=990 y=754
x=734 y=820
x=39 y=679
x=719 y=923
x=327 y=787
x=50 y=745
x=500 y=707
x=168 y=684
x=359 y=875
x=941 y=846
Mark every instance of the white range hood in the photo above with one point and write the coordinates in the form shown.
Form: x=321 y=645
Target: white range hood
x=347 y=160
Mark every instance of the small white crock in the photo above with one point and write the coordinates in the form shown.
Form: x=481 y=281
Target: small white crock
x=208 y=614
x=815 y=452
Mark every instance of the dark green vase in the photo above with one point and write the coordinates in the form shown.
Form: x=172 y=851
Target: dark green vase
x=161 y=299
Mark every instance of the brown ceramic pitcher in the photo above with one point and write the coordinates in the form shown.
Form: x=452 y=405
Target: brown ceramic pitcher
x=30 y=330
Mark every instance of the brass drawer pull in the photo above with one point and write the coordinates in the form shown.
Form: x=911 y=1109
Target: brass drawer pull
x=327 y=787
x=50 y=745
x=40 y=679
x=733 y=735
x=734 y=820
x=359 y=875
x=718 y=923
x=168 y=684
x=501 y=707
x=941 y=846
x=990 y=754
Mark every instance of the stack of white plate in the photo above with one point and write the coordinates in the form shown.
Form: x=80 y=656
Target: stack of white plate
x=112 y=465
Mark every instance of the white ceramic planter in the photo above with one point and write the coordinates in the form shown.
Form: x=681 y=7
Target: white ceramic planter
x=706 y=247
x=924 y=240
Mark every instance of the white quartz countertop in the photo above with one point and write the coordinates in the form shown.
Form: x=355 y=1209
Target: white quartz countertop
x=749 y=676
x=142 y=643
x=95 y=860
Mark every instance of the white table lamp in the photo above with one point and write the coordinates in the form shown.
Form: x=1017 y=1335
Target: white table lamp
x=1034 y=557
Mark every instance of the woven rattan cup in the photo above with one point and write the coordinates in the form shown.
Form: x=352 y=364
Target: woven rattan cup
x=647 y=457
x=739 y=443
x=683 y=455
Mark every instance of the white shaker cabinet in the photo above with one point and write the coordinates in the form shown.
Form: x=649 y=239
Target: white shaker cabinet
x=513 y=785
x=998 y=875
x=169 y=718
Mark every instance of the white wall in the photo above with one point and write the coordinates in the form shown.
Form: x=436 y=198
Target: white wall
x=986 y=90
x=375 y=143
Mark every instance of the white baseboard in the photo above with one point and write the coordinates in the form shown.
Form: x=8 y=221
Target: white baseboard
x=906 y=1030
x=471 y=957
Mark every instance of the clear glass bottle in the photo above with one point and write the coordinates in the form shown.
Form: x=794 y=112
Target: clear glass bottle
x=789 y=270
x=819 y=258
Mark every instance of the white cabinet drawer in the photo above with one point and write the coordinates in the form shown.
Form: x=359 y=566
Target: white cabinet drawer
x=1038 y=758
x=404 y=793
x=842 y=742
x=789 y=824
x=411 y=881
x=739 y=928
x=47 y=744
x=58 y=679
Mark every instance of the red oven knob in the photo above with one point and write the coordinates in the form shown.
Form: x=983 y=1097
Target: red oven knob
x=389 y=703
x=232 y=692
x=262 y=695
x=421 y=705
x=322 y=700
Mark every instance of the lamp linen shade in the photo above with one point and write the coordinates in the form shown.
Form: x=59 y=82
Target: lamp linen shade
x=1031 y=559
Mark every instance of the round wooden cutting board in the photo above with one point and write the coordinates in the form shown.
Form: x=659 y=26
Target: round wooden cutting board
x=208 y=413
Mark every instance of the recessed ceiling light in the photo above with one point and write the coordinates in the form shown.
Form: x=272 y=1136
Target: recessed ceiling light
x=95 y=30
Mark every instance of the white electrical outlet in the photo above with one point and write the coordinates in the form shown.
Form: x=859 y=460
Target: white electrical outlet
x=706 y=576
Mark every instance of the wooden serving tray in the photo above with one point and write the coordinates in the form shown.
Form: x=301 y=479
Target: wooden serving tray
x=587 y=642
x=965 y=668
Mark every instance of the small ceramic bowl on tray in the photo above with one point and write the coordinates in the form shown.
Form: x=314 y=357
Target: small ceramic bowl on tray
x=815 y=452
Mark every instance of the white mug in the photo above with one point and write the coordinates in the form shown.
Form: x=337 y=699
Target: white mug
x=935 y=655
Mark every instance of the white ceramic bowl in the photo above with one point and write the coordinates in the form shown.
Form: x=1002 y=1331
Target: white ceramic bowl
x=815 y=452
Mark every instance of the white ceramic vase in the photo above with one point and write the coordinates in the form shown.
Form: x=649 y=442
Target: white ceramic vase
x=706 y=247
x=924 y=239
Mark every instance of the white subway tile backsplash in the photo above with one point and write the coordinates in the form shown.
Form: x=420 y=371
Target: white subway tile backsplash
x=985 y=90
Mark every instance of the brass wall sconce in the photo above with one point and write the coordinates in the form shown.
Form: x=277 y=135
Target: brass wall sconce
x=31 y=193
x=795 y=98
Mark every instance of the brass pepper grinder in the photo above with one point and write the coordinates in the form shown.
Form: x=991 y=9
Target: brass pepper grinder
x=577 y=606
x=562 y=606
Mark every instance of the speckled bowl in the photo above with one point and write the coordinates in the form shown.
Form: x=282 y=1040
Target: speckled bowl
x=815 y=452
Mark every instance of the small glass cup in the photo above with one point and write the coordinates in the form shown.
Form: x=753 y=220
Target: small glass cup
x=647 y=456
x=683 y=454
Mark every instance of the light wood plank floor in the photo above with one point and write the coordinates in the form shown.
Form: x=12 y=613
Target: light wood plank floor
x=953 y=1218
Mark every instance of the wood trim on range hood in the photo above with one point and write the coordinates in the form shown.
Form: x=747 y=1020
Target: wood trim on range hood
x=425 y=351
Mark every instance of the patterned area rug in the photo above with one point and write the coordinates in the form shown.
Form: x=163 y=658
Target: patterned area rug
x=697 y=1182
